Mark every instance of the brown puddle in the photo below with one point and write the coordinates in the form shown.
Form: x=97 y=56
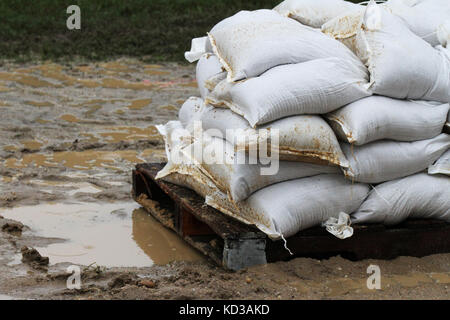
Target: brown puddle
x=153 y=72
x=26 y=80
x=10 y=148
x=191 y=84
x=113 y=83
x=159 y=243
x=88 y=83
x=117 y=234
x=139 y=104
x=39 y=104
x=117 y=67
x=82 y=160
x=70 y=118
x=169 y=107
x=34 y=82
x=118 y=134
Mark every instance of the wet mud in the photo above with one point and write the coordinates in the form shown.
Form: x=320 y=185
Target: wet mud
x=69 y=138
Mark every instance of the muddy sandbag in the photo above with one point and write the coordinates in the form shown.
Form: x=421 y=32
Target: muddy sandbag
x=237 y=175
x=282 y=209
x=313 y=87
x=385 y=160
x=422 y=17
x=315 y=13
x=251 y=42
x=441 y=166
x=376 y=118
x=419 y=196
x=401 y=64
x=295 y=205
x=301 y=138
x=209 y=72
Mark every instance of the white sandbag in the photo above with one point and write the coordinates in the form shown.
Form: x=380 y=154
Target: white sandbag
x=419 y=196
x=301 y=138
x=315 y=13
x=422 y=17
x=400 y=63
x=251 y=42
x=283 y=209
x=376 y=118
x=299 y=204
x=208 y=68
x=385 y=160
x=199 y=47
x=238 y=176
x=313 y=87
x=441 y=166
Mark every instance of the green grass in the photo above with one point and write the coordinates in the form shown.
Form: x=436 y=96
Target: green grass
x=154 y=30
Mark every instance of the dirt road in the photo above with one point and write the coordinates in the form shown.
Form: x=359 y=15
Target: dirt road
x=70 y=135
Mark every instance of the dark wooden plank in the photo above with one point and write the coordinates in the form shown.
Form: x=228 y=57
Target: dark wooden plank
x=386 y=244
x=191 y=226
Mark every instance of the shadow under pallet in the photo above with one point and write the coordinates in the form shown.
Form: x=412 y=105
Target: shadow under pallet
x=235 y=246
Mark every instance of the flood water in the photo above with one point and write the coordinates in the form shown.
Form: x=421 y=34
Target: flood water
x=117 y=234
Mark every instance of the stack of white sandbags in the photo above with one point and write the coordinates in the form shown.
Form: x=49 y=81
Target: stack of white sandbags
x=389 y=141
x=365 y=79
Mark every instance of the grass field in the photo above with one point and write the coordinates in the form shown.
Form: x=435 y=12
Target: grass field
x=154 y=30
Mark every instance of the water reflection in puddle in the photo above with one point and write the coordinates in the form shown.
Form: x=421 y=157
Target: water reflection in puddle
x=159 y=243
x=117 y=234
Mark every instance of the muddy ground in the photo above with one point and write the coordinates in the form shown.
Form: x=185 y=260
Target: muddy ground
x=69 y=137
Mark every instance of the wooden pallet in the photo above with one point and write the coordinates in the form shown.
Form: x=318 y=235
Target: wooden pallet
x=235 y=245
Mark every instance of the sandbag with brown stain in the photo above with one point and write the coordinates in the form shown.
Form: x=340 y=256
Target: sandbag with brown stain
x=301 y=138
